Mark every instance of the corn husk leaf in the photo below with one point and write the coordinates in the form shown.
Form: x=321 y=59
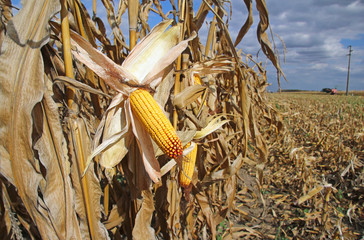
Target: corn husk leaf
x=103 y=66
x=163 y=90
x=155 y=75
x=115 y=137
x=139 y=61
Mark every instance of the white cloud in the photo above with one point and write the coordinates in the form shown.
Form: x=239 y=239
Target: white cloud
x=319 y=65
x=341 y=68
x=316 y=35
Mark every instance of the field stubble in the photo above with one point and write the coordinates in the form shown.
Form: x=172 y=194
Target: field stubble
x=314 y=179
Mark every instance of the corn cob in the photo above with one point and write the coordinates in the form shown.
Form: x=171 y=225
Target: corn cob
x=188 y=167
x=156 y=123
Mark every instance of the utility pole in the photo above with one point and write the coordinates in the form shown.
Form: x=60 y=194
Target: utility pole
x=347 y=80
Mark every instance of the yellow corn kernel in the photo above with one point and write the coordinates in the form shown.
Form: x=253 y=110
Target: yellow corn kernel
x=188 y=167
x=197 y=79
x=156 y=123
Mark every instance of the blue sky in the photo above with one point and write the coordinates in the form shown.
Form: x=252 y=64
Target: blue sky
x=316 y=34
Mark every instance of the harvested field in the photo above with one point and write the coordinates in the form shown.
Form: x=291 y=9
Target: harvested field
x=314 y=181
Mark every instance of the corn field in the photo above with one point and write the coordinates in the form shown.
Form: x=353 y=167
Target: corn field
x=154 y=134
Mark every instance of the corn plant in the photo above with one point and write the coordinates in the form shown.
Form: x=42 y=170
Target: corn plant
x=95 y=130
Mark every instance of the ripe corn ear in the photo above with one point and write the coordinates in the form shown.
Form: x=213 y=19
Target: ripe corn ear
x=156 y=123
x=188 y=167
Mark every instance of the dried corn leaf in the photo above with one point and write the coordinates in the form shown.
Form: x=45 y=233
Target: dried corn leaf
x=212 y=126
x=6 y=15
x=310 y=195
x=263 y=37
x=142 y=228
x=79 y=85
x=174 y=200
x=225 y=173
x=248 y=22
x=203 y=202
x=49 y=145
x=22 y=86
x=138 y=177
x=188 y=95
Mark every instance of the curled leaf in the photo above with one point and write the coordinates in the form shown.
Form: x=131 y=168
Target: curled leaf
x=212 y=126
x=188 y=95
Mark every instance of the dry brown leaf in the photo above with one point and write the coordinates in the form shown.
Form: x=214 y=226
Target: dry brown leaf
x=202 y=200
x=248 y=22
x=49 y=144
x=142 y=228
x=115 y=218
x=174 y=199
x=201 y=14
x=310 y=194
x=8 y=222
x=188 y=95
x=225 y=173
x=263 y=37
x=22 y=86
x=79 y=85
x=6 y=15
x=136 y=175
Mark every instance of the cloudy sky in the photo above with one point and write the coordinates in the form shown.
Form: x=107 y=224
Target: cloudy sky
x=316 y=34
